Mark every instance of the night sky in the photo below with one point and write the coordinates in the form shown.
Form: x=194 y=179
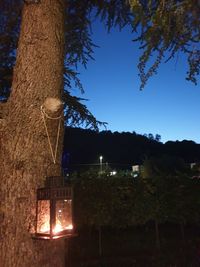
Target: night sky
x=168 y=105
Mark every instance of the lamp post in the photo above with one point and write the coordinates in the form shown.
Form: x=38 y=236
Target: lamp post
x=101 y=159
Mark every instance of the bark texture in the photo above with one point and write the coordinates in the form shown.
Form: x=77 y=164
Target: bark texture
x=24 y=151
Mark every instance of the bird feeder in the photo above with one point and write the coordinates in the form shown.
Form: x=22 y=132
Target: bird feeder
x=54 y=212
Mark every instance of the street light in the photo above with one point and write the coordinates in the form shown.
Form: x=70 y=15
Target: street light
x=101 y=158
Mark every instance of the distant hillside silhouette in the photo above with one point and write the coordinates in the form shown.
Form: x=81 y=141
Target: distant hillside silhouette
x=82 y=148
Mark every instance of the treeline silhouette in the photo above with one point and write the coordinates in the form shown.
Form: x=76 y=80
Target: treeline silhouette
x=82 y=149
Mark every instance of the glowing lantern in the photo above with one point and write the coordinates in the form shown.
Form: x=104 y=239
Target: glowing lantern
x=54 y=209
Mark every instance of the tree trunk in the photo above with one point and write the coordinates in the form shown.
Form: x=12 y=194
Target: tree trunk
x=24 y=152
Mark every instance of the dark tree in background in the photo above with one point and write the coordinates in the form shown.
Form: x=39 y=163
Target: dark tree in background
x=161 y=199
x=121 y=151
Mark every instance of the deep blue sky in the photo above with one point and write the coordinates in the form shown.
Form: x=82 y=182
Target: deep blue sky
x=168 y=105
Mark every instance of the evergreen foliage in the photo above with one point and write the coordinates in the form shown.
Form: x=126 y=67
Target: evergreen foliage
x=162 y=27
x=165 y=29
x=78 y=47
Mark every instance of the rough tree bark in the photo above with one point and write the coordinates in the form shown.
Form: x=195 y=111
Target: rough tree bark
x=25 y=159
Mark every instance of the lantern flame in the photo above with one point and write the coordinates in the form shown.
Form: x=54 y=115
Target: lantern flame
x=45 y=228
x=69 y=227
x=58 y=228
